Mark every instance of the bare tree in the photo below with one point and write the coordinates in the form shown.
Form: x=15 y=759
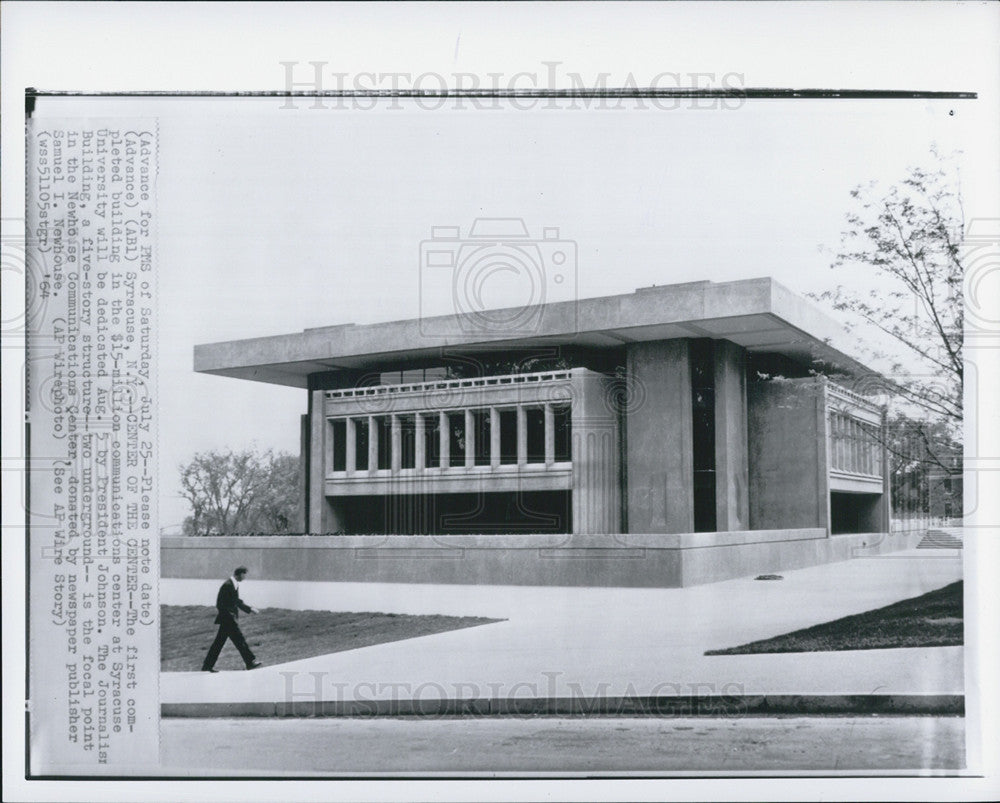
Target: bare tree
x=910 y=236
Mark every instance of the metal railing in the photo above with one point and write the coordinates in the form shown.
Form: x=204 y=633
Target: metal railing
x=850 y=396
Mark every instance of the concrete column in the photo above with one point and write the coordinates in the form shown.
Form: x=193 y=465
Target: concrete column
x=445 y=441
x=522 y=437
x=821 y=407
x=789 y=481
x=860 y=430
x=845 y=443
x=301 y=524
x=494 y=437
x=317 y=426
x=850 y=445
x=834 y=448
x=372 y=444
x=732 y=504
x=323 y=513
x=660 y=439
x=352 y=445
x=550 y=436
x=865 y=451
x=596 y=501
x=327 y=445
x=859 y=436
x=470 y=440
x=885 y=506
x=418 y=442
x=395 y=445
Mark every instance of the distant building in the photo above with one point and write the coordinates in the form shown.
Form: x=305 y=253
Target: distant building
x=944 y=488
x=698 y=414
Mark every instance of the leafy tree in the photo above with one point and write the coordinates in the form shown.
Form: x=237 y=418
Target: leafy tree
x=910 y=237
x=278 y=501
x=240 y=492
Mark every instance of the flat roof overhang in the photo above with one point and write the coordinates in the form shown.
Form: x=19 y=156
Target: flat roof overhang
x=758 y=314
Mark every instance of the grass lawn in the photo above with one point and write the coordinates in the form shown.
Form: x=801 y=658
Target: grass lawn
x=278 y=635
x=931 y=620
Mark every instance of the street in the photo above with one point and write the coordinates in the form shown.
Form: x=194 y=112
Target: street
x=577 y=745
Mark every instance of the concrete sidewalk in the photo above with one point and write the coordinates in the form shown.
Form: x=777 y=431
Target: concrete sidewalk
x=560 y=644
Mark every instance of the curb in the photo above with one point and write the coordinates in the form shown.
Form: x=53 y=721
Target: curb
x=720 y=706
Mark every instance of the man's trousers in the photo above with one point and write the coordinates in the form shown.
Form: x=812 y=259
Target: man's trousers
x=229 y=628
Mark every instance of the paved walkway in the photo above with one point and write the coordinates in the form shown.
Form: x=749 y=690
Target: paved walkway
x=578 y=745
x=566 y=642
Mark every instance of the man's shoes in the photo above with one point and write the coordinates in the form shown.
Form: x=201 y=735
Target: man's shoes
x=209 y=669
x=255 y=665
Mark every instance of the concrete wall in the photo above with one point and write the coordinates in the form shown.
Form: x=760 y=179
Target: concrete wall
x=596 y=491
x=732 y=503
x=560 y=560
x=787 y=454
x=659 y=448
x=636 y=561
x=811 y=548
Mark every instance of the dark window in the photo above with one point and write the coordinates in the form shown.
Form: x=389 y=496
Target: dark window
x=535 y=425
x=456 y=439
x=562 y=421
x=854 y=513
x=450 y=514
x=407 y=441
x=339 y=445
x=432 y=441
x=482 y=428
x=361 y=444
x=704 y=501
x=702 y=354
x=508 y=436
x=703 y=421
x=384 y=425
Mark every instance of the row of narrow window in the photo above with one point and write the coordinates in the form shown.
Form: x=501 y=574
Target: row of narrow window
x=455 y=421
x=854 y=446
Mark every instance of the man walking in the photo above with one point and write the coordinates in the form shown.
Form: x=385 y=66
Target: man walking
x=229 y=605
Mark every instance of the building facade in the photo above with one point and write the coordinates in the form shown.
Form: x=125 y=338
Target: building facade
x=701 y=414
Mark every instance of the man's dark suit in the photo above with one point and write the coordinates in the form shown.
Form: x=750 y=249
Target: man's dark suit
x=229 y=605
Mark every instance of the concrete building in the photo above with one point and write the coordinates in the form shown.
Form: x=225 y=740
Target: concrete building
x=697 y=423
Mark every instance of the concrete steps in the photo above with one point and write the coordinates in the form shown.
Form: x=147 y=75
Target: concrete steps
x=942 y=539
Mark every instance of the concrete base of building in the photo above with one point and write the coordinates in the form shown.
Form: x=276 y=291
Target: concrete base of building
x=630 y=561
